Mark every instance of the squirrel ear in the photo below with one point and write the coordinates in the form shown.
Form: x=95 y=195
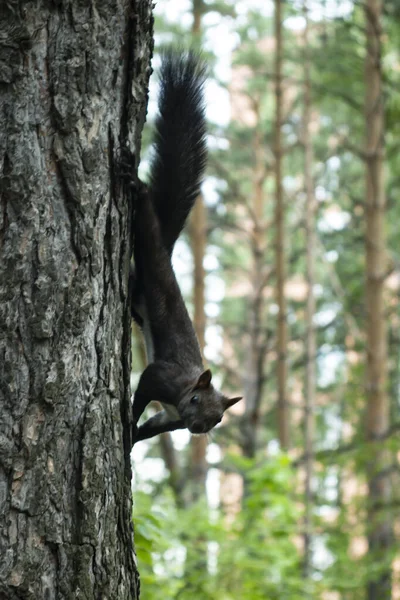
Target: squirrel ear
x=204 y=380
x=228 y=402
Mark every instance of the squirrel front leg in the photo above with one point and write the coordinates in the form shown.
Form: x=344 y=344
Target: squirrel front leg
x=155 y=383
x=159 y=423
x=150 y=387
x=140 y=401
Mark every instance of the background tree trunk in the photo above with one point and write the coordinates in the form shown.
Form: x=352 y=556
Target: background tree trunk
x=198 y=238
x=283 y=413
x=198 y=229
x=378 y=414
x=68 y=72
x=310 y=376
x=254 y=371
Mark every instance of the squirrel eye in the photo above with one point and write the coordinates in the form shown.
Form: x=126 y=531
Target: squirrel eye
x=194 y=399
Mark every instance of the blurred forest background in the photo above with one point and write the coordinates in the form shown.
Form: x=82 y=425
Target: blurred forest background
x=291 y=270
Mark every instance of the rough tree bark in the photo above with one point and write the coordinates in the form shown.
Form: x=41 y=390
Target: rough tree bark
x=283 y=413
x=378 y=414
x=73 y=84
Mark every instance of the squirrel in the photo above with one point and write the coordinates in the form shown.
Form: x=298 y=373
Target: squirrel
x=175 y=375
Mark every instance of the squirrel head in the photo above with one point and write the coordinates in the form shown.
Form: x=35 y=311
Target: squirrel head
x=202 y=406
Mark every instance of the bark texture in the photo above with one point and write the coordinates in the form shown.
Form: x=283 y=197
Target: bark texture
x=283 y=413
x=73 y=86
x=378 y=414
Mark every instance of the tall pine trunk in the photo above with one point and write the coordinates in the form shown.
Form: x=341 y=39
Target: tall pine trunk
x=254 y=371
x=196 y=557
x=68 y=73
x=379 y=525
x=310 y=382
x=198 y=233
x=283 y=413
x=198 y=238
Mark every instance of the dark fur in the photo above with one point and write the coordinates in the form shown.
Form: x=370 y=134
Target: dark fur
x=180 y=151
x=176 y=375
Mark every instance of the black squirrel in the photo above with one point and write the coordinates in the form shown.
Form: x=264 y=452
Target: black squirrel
x=175 y=376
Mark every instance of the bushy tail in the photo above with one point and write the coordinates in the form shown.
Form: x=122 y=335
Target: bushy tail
x=180 y=149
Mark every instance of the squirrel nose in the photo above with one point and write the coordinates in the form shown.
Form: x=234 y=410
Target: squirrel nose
x=197 y=427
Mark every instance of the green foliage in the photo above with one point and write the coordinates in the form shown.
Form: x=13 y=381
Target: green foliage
x=152 y=543
x=250 y=554
x=263 y=561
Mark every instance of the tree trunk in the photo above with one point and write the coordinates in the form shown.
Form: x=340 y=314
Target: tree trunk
x=198 y=228
x=283 y=413
x=310 y=383
x=198 y=238
x=254 y=377
x=379 y=525
x=68 y=72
